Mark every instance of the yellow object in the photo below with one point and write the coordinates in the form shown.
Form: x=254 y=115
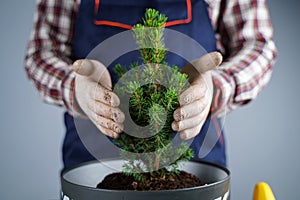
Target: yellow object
x=262 y=191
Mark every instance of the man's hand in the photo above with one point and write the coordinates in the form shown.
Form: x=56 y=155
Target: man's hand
x=93 y=93
x=195 y=102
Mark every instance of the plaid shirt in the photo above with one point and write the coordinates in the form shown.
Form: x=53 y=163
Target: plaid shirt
x=244 y=36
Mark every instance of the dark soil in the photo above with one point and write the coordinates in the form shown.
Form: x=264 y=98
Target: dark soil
x=171 y=181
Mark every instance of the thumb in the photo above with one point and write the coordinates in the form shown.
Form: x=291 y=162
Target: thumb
x=208 y=62
x=94 y=70
x=204 y=64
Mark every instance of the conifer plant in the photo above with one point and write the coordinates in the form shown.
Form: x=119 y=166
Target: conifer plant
x=150 y=92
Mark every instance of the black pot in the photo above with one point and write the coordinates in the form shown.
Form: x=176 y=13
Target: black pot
x=79 y=183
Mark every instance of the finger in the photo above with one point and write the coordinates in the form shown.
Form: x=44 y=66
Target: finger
x=203 y=64
x=190 y=133
x=109 y=112
x=186 y=124
x=95 y=70
x=107 y=123
x=192 y=94
x=190 y=110
x=83 y=67
x=105 y=96
x=107 y=131
x=208 y=62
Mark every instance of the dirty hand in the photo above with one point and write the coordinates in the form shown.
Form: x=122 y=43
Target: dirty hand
x=93 y=93
x=195 y=102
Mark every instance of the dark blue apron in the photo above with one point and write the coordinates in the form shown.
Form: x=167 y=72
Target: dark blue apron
x=99 y=20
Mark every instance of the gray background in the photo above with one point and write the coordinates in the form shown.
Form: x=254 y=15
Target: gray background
x=262 y=138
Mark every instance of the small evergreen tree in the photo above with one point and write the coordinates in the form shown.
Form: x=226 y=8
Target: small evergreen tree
x=150 y=105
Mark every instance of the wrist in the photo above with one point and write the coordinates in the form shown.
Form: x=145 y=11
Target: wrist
x=77 y=110
x=69 y=97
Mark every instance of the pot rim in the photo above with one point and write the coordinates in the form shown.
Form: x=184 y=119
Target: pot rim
x=65 y=171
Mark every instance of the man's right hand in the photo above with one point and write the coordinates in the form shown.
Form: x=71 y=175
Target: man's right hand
x=93 y=93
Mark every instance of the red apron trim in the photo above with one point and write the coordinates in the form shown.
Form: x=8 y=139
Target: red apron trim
x=126 y=26
x=110 y=23
x=183 y=21
x=97 y=4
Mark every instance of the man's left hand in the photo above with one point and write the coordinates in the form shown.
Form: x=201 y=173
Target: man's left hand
x=195 y=102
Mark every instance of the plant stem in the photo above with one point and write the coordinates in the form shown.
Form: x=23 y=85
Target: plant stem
x=156 y=162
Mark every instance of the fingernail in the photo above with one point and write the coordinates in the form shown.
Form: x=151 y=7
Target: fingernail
x=76 y=65
x=175 y=126
x=113 y=135
x=218 y=58
x=116 y=129
x=83 y=67
x=183 y=135
x=119 y=117
x=176 y=115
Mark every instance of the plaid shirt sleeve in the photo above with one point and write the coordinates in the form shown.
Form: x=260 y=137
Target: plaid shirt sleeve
x=48 y=59
x=245 y=37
